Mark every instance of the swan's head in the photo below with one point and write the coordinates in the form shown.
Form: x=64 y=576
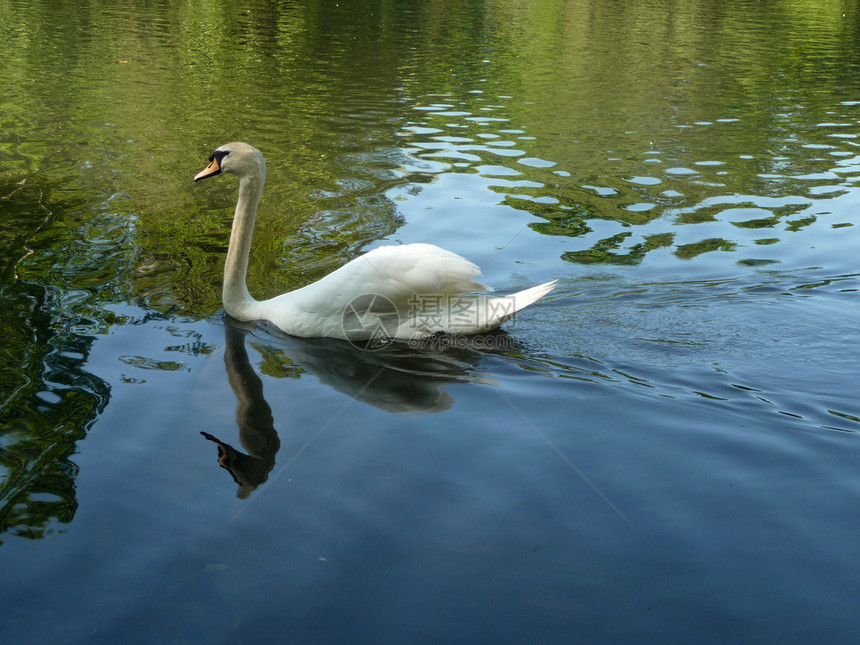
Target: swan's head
x=236 y=158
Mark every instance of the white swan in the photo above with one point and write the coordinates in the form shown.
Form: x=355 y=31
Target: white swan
x=405 y=292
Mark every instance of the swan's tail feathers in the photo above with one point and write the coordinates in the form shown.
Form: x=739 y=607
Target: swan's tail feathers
x=527 y=297
x=519 y=301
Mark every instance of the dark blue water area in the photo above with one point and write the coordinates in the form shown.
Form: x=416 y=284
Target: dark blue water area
x=665 y=449
x=610 y=483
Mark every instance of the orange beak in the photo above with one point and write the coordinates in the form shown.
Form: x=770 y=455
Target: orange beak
x=212 y=169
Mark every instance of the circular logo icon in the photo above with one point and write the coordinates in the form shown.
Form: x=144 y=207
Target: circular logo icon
x=370 y=321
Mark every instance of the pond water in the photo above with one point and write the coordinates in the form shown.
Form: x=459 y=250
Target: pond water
x=664 y=450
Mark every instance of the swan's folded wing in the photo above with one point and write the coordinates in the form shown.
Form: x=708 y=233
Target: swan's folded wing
x=398 y=273
x=423 y=269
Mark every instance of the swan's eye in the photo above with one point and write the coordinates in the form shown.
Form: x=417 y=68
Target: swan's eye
x=219 y=155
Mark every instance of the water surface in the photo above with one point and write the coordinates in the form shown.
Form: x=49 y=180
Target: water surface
x=665 y=449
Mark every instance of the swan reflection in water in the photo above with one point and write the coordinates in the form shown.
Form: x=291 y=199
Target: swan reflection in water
x=395 y=378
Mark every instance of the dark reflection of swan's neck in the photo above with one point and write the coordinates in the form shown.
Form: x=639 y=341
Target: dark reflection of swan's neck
x=253 y=416
x=396 y=378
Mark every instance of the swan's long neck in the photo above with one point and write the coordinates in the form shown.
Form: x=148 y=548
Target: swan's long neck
x=235 y=296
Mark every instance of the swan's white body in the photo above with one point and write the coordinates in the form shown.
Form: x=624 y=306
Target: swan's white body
x=405 y=292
